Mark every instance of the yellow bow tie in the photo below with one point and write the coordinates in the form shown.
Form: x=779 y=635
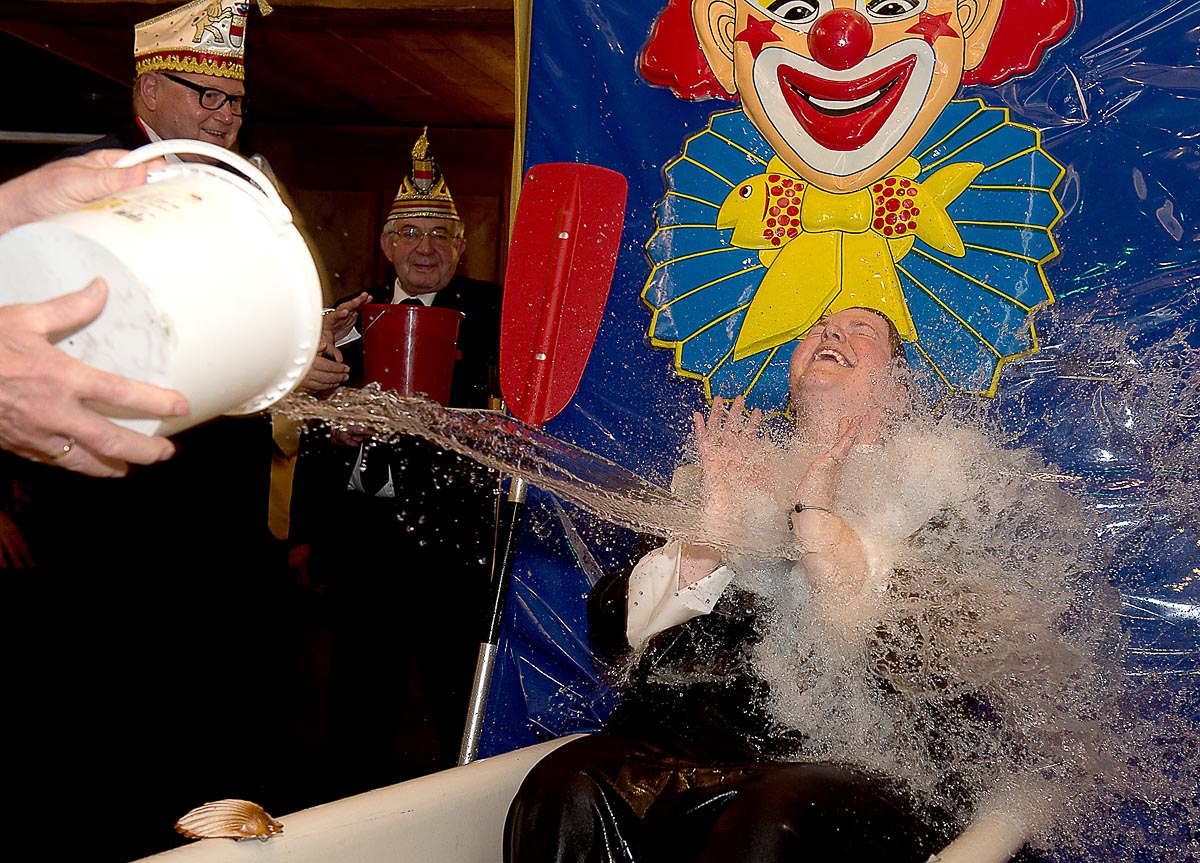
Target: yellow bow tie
x=827 y=251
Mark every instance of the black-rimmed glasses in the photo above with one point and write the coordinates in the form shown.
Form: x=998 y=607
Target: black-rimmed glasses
x=212 y=99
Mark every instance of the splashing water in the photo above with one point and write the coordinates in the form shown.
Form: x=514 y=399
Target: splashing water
x=989 y=667
x=506 y=444
x=999 y=652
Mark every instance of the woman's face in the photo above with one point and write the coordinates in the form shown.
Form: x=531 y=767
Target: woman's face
x=849 y=353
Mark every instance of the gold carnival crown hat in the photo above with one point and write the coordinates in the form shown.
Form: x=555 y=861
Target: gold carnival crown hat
x=206 y=36
x=424 y=193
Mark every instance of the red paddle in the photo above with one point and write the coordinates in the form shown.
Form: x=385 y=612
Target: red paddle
x=560 y=265
x=565 y=241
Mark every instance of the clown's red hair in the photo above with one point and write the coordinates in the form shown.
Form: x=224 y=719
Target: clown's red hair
x=1025 y=29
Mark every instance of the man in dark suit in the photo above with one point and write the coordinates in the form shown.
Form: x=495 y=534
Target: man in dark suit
x=423 y=241
x=400 y=533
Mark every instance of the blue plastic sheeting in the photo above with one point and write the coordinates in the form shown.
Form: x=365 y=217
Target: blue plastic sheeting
x=1117 y=105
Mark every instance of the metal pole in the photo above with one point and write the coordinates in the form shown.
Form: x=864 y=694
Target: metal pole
x=486 y=661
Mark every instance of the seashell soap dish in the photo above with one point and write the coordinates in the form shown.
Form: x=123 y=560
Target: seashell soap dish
x=229 y=819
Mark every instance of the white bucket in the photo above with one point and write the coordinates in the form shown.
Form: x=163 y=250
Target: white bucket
x=211 y=289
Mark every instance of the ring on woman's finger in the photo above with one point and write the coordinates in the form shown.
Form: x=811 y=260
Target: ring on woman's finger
x=66 y=448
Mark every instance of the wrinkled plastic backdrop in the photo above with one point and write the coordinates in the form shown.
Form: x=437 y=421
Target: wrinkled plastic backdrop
x=1118 y=106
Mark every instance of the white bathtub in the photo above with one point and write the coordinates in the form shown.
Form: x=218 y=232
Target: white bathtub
x=456 y=816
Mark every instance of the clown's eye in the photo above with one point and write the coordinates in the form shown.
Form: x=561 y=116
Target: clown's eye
x=892 y=9
x=793 y=11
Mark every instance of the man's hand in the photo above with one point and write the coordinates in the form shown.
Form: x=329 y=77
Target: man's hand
x=46 y=397
x=338 y=323
x=328 y=371
x=67 y=184
x=346 y=436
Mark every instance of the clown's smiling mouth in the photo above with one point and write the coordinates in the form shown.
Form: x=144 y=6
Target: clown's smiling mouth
x=844 y=115
x=842 y=108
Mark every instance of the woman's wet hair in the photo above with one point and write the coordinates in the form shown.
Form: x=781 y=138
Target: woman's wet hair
x=894 y=341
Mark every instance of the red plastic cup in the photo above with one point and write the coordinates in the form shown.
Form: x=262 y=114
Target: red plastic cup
x=410 y=348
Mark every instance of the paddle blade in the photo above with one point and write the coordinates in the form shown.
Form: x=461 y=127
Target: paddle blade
x=560 y=266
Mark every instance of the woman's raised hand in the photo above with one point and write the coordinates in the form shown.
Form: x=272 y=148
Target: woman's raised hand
x=833 y=556
x=733 y=459
x=819 y=483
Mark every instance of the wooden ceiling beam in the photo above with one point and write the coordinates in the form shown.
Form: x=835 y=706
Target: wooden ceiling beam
x=483 y=14
x=95 y=58
x=407 y=6
x=461 y=76
x=347 y=71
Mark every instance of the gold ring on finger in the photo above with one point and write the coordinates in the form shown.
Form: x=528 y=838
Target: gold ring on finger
x=66 y=448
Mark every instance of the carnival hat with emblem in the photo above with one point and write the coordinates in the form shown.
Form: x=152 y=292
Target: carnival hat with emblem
x=424 y=193
x=207 y=37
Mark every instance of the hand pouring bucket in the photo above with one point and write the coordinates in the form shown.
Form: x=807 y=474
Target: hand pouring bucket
x=410 y=348
x=211 y=289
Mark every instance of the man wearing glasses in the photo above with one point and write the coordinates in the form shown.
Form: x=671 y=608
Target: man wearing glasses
x=423 y=241
x=190 y=78
x=393 y=530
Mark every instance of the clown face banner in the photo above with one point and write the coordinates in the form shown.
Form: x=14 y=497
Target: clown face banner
x=854 y=179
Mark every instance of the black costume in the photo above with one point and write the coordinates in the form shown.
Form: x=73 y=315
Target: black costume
x=690 y=766
x=404 y=569
x=129 y=137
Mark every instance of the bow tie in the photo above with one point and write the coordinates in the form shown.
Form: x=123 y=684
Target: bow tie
x=828 y=251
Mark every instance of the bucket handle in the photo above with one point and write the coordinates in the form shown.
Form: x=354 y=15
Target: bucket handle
x=379 y=317
x=203 y=148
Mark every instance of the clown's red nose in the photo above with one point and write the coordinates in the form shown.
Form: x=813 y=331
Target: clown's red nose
x=840 y=39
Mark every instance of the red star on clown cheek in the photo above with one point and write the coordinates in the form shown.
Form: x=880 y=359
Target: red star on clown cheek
x=757 y=34
x=931 y=27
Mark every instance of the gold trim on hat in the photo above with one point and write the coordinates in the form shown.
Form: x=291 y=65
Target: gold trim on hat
x=423 y=194
x=207 y=37
x=218 y=67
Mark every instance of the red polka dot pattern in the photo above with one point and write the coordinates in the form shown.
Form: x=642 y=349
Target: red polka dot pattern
x=783 y=209
x=896 y=208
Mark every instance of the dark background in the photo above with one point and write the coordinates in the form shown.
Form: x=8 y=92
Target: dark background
x=340 y=92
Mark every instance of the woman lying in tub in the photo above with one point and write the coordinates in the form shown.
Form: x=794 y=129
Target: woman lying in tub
x=863 y=689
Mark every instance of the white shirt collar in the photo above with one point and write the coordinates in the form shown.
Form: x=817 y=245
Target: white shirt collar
x=399 y=295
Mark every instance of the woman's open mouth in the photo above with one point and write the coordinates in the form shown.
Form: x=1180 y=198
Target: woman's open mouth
x=833 y=355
